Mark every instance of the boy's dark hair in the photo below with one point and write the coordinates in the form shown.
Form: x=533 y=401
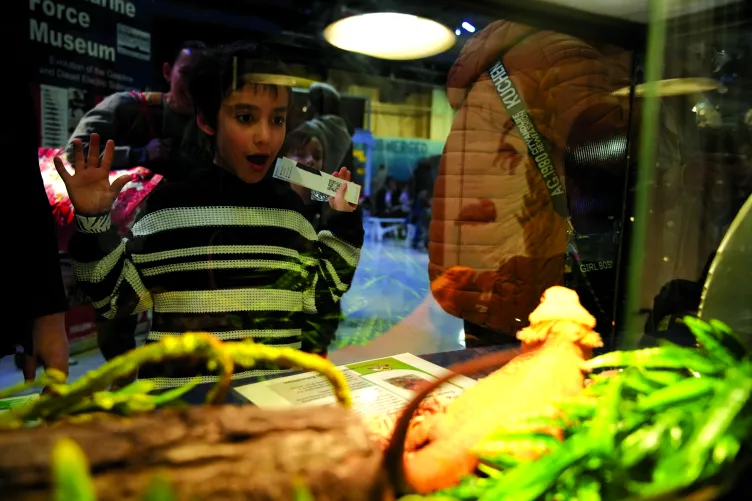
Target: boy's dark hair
x=223 y=69
x=188 y=45
x=324 y=99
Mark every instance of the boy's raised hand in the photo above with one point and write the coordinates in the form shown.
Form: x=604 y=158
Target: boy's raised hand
x=338 y=201
x=89 y=186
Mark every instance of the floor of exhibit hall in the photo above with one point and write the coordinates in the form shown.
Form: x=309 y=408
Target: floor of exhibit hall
x=388 y=310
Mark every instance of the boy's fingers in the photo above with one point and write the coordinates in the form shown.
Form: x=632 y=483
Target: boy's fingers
x=109 y=154
x=93 y=161
x=61 y=170
x=78 y=154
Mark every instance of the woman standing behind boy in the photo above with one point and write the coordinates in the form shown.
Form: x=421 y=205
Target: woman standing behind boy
x=228 y=251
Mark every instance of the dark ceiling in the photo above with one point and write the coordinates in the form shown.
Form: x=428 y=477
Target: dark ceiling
x=293 y=28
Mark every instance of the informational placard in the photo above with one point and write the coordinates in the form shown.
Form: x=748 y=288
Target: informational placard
x=82 y=51
x=379 y=387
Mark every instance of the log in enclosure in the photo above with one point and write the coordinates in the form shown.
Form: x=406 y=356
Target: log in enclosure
x=209 y=453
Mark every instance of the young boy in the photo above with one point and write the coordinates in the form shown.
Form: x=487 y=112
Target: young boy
x=229 y=251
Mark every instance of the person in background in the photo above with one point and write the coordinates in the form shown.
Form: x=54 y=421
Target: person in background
x=386 y=198
x=379 y=179
x=323 y=112
x=148 y=127
x=420 y=217
x=305 y=147
x=37 y=302
x=302 y=145
x=392 y=200
x=405 y=204
x=497 y=242
x=153 y=130
x=246 y=264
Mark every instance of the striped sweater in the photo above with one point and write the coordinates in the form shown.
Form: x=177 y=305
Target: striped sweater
x=214 y=254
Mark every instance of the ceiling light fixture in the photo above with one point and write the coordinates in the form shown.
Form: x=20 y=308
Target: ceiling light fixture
x=390 y=35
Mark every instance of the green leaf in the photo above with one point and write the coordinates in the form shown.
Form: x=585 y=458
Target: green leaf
x=70 y=473
x=505 y=443
x=489 y=471
x=159 y=490
x=470 y=488
x=689 y=465
x=661 y=358
x=589 y=489
x=605 y=422
x=579 y=408
x=664 y=378
x=530 y=480
x=140 y=386
x=635 y=379
x=502 y=461
x=175 y=393
x=679 y=393
x=730 y=338
x=301 y=491
x=705 y=336
x=50 y=377
x=726 y=450
x=642 y=442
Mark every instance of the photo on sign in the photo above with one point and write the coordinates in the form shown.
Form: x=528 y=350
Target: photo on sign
x=410 y=382
x=54 y=115
x=77 y=108
x=133 y=42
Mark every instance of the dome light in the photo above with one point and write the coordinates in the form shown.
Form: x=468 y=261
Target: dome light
x=390 y=35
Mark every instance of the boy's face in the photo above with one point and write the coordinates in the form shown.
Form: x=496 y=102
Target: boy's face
x=251 y=130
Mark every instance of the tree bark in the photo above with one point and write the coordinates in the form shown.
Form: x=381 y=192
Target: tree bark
x=208 y=453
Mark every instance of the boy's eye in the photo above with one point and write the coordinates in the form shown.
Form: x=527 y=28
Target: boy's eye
x=279 y=120
x=244 y=118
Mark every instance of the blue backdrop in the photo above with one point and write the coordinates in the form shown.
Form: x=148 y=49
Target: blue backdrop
x=401 y=155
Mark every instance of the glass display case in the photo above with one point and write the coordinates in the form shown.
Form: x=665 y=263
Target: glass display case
x=542 y=292
x=695 y=174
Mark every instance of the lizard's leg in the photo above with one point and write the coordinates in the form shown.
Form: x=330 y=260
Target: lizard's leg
x=420 y=432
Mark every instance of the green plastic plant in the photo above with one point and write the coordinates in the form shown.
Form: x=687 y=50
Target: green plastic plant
x=89 y=394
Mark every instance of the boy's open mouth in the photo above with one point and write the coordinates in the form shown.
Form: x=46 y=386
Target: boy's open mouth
x=258 y=162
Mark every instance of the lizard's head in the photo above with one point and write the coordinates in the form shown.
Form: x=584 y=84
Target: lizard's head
x=560 y=314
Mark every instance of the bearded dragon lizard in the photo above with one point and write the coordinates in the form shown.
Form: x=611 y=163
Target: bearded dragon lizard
x=548 y=368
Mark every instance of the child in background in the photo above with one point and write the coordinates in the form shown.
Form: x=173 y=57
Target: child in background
x=305 y=146
x=228 y=251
